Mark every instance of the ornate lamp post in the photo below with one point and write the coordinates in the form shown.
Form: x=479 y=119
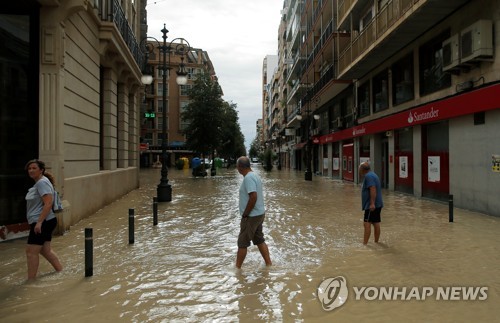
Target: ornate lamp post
x=164 y=189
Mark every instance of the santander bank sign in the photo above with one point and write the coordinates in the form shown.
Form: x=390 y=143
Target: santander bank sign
x=423 y=116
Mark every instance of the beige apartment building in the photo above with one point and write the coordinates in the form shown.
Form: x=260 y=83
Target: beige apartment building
x=70 y=96
x=410 y=85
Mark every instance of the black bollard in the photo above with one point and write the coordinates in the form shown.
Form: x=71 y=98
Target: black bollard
x=130 y=226
x=89 y=253
x=155 y=210
x=450 y=204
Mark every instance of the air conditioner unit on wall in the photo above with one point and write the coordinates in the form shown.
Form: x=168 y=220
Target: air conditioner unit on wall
x=451 y=53
x=476 y=41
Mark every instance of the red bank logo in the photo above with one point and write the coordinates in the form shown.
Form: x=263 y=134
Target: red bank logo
x=422 y=116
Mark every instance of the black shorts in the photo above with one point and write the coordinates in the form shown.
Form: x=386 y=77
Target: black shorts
x=48 y=227
x=251 y=230
x=373 y=216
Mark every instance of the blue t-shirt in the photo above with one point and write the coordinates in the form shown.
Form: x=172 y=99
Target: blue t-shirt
x=252 y=183
x=371 y=179
x=34 y=201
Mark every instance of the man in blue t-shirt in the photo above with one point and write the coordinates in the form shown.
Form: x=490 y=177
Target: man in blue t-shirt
x=252 y=210
x=371 y=201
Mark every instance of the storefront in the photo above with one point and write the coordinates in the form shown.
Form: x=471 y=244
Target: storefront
x=416 y=142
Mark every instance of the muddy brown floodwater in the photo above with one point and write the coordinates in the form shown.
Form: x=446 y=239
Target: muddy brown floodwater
x=183 y=268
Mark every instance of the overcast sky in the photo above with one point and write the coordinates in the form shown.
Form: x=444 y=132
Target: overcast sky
x=237 y=34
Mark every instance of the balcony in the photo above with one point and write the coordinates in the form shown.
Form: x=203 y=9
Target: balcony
x=111 y=11
x=395 y=26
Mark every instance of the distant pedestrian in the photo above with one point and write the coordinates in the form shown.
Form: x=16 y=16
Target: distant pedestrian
x=41 y=218
x=371 y=200
x=252 y=210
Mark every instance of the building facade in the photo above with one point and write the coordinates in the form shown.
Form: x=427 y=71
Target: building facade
x=195 y=61
x=70 y=96
x=413 y=88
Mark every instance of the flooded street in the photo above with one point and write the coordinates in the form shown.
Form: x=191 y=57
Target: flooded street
x=183 y=268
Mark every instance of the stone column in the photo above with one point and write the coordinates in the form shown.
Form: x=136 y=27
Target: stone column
x=133 y=127
x=109 y=131
x=123 y=126
x=50 y=97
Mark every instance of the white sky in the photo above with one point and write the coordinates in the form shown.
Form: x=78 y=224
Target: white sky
x=237 y=34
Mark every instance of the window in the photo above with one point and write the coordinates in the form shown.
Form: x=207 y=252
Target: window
x=191 y=73
x=160 y=122
x=183 y=123
x=479 y=118
x=402 y=80
x=160 y=72
x=432 y=77
x=367 y=18
x=364 y=100
x=148 y=138
x=380 y=92
x=159 y=105
x=185 y=89
x=382 y=3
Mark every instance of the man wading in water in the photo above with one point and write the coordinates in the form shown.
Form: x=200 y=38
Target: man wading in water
x=252 y=213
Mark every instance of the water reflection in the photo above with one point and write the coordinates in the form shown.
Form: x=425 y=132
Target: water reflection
x=183 y=268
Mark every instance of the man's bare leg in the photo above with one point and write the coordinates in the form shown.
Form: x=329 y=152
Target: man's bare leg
x=240 y=257
x=367 y=232
x=264 y=251
x=377 y=231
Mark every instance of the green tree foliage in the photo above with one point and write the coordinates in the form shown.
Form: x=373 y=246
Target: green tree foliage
x=232 y=144
x=212 y=122
x=255 y=149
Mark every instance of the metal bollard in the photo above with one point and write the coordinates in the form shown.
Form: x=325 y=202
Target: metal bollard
x=130 y=226
x=155 y=210
x=450 y=205
x=89 y=253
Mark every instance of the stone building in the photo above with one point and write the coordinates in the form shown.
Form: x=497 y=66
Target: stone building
x=70 y=95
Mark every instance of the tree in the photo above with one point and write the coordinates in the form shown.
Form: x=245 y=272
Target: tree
x=255 y=147
x=232 y=139
x=212 y=122
x=203 y=115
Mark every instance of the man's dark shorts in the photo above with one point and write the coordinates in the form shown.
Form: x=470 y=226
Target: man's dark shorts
x=251 y=230
x=373 y=216
x=46 y=235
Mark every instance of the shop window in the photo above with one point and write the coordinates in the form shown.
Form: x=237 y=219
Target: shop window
x=380 y=92
x=364 y=100
x=437 y=135
x=364 y=146
x=432 y=77
x=402 y=81
x=404 y=140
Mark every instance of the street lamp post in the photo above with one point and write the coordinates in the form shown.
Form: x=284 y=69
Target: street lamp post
x=308 y=172
x=278 y=138
x=164 y=189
